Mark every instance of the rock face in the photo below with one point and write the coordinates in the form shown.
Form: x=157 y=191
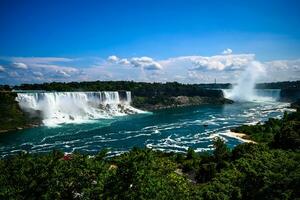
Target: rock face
x=156 y=103
x=196 y=100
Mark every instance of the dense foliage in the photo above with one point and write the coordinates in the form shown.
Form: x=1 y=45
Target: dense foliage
x=296 y=104
x=273 y=85
x=280 y=133
x=279 y=85
x=137 y=88
x=5 y=88
x=249 y=171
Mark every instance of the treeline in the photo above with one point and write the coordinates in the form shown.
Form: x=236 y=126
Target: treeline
x=273 y=85
x=279 y=85
x=137 y=88
x=128 y=85
x=5 y=88
x=216 y=85
x=249 y=171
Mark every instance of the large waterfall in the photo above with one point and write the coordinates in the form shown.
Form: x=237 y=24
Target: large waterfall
x=75 y=107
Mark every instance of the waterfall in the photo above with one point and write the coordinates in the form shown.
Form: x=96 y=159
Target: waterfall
x=76 y=107
x=244 y=90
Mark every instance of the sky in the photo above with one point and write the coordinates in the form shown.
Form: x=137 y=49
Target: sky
x=187 y=41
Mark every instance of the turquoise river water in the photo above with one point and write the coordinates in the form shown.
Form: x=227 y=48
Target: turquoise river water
x=169 y=130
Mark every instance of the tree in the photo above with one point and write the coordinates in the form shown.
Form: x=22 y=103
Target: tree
x=221 y=153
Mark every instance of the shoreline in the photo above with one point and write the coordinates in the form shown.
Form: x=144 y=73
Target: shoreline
x=240 y=136
x=19 y=128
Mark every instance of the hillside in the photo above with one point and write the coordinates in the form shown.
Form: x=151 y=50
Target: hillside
x=11 y=116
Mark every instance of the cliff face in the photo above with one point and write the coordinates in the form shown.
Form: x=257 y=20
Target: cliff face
x=11 y=116
x=155 y=103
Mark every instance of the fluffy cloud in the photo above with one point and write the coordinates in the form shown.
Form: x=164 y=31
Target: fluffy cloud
x=2 y=69
x=14 y=74
x=62 y=73
x=223 y=62
x=38 y=74
x=187 y=69
x=217 y=63
x=43 y=69
x=124 y=61
x=30 y=60
x=19 y=65
x=292 y=65
x=227 y=51
x=139 y=62
x=282 y=70
x=145 y=63
x=113 y=58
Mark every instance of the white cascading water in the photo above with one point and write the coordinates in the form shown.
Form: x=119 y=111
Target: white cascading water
x=244 y=90
x=76 y=107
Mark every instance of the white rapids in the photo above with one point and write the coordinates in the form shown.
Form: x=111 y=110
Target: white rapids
x=76 y=107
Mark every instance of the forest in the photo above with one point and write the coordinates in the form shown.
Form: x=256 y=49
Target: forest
x=131 y=85
x=266 y=170
x=137 y=88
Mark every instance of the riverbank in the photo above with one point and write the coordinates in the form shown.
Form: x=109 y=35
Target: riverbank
x=240 y=136
x=282 y=132
x=26 y=126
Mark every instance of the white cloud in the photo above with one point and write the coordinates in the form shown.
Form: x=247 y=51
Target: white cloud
x=30 y=60
x=145 y=63
x=227 y=51
x=62 y=73
x=2 y=69
x=187 y=69
x=218 y=62
x=14 y=74
x=20 y=65
x=38 y=74
x=124 y=61
x=293 y=65
x=113 y=58
x=139 y=62
x=282 y=70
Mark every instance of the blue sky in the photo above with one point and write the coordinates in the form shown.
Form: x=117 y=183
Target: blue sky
x=88 y=32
